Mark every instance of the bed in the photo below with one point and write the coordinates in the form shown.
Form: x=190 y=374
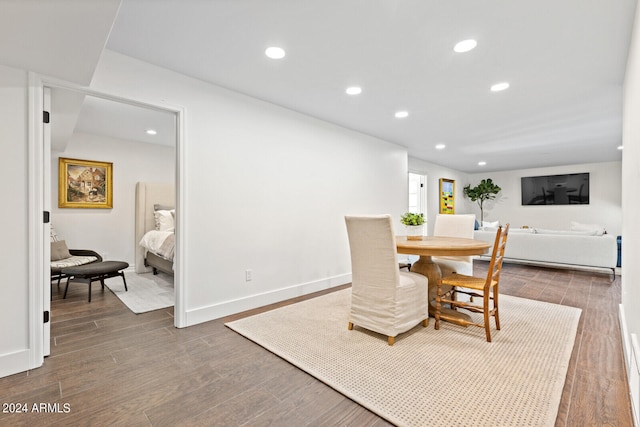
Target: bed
x=152 y=198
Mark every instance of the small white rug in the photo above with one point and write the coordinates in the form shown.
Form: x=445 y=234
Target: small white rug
x=450 y=377
x=146 y=291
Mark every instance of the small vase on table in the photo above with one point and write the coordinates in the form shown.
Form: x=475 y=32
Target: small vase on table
x=414 y=232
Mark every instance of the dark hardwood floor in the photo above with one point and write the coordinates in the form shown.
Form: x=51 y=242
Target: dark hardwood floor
x=109 y=366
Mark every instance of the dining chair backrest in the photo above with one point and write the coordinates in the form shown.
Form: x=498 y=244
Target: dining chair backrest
x=459 y=225
x=497 y=256
x=454 y=225
x=374 y=259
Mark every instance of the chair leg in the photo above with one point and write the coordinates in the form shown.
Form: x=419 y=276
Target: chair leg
x=89 y=290
x=438 y=297
x=425 y=322
x=487 y=326
x=391 y=340
x=66 y=288
x=125 y=282
x=495 y=308
x=350 y=326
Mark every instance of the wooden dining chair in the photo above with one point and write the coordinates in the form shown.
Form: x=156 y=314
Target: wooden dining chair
x=485 y=288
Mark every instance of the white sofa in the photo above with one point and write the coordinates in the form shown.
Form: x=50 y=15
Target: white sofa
x=558 y=248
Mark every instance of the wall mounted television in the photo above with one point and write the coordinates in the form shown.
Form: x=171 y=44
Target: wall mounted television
x=567 y=189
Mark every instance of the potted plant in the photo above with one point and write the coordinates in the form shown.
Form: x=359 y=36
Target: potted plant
x=482 y=192
x=414 y=223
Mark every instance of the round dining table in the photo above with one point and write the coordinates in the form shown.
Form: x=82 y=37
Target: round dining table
x=428 y=246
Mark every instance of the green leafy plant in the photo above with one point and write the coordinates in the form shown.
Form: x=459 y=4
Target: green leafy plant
x=482 y=192
x=409 y=218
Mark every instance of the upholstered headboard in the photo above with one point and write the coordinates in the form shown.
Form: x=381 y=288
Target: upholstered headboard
x=149 y=194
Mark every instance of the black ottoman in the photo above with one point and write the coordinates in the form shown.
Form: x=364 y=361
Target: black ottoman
x=95 y=271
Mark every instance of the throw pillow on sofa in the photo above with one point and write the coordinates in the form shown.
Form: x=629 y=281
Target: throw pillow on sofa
x=596 y=228
x=490 y=225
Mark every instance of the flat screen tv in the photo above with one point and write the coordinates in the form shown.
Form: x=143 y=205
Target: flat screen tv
x=568 y=189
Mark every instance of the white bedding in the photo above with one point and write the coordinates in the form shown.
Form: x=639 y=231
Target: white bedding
x=161 y=243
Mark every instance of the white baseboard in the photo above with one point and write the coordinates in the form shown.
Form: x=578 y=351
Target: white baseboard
x=216 y=311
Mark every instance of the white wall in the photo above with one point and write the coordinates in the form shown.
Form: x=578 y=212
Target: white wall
x=605 y=199
x=434 y=173
x=631 y=206
x=110 y=232
x=14 y=309
x=266 y=189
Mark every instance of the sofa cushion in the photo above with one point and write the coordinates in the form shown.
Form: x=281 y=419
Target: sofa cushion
x=568 y=232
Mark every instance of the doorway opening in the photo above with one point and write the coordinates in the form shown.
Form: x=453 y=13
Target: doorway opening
x=84 y=143
x=139 y=144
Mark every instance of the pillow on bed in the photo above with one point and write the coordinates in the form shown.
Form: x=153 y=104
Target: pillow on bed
x=59 y=250
x=164 y=220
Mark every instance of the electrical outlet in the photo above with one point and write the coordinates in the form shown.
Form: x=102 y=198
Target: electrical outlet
x=248 y=275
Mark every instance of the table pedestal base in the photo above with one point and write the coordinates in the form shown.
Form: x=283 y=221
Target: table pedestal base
x=427 y=267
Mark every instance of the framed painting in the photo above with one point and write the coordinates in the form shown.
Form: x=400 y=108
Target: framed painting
x=85 y=184
x=447 y=196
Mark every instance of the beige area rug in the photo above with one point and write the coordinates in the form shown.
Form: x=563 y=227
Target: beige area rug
x=146 y=291
x=450 y=377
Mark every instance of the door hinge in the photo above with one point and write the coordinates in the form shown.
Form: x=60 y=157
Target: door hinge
x=46 y=217
x=45 y=117
x=46 y=317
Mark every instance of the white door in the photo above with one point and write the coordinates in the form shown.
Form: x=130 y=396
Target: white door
x=417 y=193
x=46 y=204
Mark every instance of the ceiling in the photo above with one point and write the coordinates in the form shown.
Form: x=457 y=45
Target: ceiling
x=564 y=60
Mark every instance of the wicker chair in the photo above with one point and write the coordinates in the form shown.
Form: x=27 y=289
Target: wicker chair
x=61 y=257
x=485 y=288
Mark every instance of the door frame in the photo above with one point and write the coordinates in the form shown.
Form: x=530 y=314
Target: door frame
x=37 y=182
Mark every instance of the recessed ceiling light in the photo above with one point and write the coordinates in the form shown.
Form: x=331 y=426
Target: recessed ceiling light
x=275 y=52
x=151 y=132
x=354 y=90
x=465 y=46
x=440 y=146
x=499 y=86
x=482 y=163
x=401 y=114
x=620 y=147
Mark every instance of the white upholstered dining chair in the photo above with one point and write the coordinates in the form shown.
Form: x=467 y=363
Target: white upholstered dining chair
x=383 y=298
x=454 y=226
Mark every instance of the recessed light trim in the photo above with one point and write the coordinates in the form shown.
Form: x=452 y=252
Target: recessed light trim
x=354 y=90
x=151 y=132
x=498 y=87
x=440 y=146
x=401 y=114
x=482 y=163
x=275 y=52
x=465 y=46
